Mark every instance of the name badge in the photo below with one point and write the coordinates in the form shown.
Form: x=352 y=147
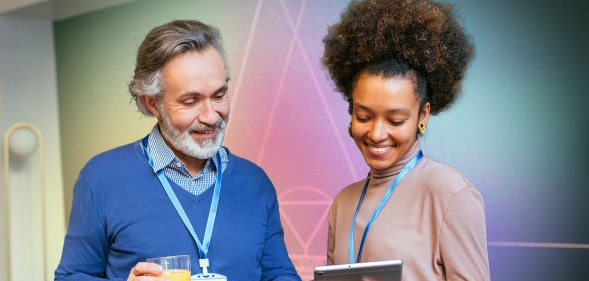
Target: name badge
x=210 y=276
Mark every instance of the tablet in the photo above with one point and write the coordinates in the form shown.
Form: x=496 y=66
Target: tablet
x=389 y=270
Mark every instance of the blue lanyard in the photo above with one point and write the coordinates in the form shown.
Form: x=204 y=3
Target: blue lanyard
x=383 y=201
x=204 y=247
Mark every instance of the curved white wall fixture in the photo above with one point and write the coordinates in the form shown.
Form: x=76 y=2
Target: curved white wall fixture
x=22 y=140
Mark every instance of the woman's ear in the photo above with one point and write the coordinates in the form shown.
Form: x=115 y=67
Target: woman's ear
x=423 y=118
x=424 y=113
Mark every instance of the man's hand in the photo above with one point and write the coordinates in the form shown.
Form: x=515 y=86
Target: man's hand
x=142 y=271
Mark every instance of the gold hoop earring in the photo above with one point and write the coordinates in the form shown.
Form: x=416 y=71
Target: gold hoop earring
x=422 y=128
x=350 y=130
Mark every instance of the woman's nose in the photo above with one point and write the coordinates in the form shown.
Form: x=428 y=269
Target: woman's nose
x=378 y=131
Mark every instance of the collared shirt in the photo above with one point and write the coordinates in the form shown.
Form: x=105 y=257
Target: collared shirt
x=174 y=169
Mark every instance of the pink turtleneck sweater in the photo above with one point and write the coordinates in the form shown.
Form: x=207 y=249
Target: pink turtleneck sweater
x=434 y=222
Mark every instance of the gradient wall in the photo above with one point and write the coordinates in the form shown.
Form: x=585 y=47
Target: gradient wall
x=518 y=130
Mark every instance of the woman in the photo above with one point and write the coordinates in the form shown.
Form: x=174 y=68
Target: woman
x=396 y=62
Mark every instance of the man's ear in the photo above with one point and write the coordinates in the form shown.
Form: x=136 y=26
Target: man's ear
x=151 y=103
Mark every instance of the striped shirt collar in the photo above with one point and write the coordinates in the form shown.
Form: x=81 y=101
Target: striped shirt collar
x=163 y=156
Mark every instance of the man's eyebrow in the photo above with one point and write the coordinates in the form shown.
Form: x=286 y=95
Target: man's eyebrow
x=223 y=88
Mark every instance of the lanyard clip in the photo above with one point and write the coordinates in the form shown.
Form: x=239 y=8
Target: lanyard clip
x=204 y=264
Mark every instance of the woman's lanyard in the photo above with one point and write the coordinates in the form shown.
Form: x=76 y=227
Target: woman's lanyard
x=204 y=247
x=383 y=201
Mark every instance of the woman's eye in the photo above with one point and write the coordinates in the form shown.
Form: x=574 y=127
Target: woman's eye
x=397 y=123
x=362 y=119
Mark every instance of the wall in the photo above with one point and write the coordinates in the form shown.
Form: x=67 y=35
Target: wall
x=517 y=131
x=28 y=93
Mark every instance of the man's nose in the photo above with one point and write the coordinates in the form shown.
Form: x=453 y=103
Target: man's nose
x=207 y=114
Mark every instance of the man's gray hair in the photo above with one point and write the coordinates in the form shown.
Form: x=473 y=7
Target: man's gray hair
x=161 y=44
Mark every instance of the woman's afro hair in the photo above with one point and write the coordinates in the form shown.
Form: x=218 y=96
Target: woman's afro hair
x=420 y=33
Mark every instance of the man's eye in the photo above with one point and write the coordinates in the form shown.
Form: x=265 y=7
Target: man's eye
x=219 y=96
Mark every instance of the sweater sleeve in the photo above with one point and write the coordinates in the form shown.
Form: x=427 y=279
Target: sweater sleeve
x=463 y=239
x=275 y=263
x=85 y=246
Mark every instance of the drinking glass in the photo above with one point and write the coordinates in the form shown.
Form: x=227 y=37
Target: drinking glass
x=176 y=268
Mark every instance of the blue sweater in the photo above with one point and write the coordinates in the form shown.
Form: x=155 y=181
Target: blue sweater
x=121 y=215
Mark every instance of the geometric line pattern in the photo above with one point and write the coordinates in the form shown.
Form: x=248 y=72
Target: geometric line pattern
x=317 y=86
x=248 y=46
x=290 y=202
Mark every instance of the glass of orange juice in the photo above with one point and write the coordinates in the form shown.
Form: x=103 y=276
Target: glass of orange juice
x=176 y=268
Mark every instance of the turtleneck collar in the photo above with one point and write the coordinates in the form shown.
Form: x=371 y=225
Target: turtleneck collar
x=398 y=166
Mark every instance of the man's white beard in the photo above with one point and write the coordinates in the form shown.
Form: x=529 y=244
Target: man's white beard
x=183 y=141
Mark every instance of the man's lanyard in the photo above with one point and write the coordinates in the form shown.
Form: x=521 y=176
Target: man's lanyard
x=383 y=201
x=204 y=247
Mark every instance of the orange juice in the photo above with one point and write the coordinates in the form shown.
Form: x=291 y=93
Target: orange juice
x=176 y=274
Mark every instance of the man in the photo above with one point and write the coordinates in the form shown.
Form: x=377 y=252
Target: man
x=177 y=191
